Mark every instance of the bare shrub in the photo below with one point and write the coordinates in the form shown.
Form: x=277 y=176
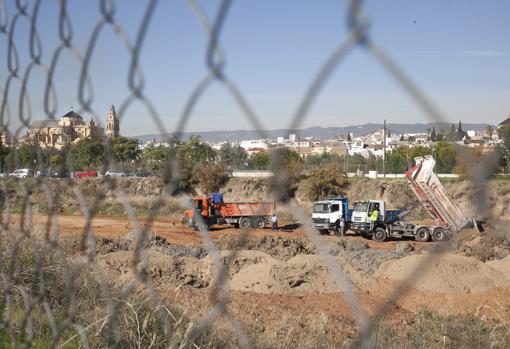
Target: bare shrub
x=325 y=180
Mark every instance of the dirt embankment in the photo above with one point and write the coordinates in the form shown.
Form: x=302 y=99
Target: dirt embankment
x=488 y=201
x=277 y=265
x=444 y=273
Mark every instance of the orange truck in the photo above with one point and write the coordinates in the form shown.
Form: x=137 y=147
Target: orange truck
x=206 y=211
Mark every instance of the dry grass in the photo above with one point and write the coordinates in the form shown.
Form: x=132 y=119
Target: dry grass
x=48 y=299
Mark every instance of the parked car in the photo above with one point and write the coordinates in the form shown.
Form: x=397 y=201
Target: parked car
x=48 y=173
x=84 y=174
x=140 y=173
x=115 y=174
x=21 y=173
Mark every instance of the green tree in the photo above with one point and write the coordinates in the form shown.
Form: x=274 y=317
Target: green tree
x=326 y=180
x=58 y=162
x=460 y=132
x=233 y=156
x=322 y=159
x=27 y=154
x=433 y=134
x=260 y=161
x=445 y=156
x=190 y=155
x=155 y=157
x=87 y=153
x=125 y=148
x=489 y=131
x=155 y=153
x=451 y=136
x=287 y=166
x=4 y=152
x=195 y=151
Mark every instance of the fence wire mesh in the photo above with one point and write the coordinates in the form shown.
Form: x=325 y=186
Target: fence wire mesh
x=36 y=270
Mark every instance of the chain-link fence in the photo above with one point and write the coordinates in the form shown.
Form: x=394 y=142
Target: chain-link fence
x=51 y=297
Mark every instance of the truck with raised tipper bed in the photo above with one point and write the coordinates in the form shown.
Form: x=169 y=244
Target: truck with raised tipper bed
x=431 y=194
x=210 y=210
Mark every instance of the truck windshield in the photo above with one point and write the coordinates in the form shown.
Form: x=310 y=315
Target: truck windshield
x=320 y=208
x=360 y=207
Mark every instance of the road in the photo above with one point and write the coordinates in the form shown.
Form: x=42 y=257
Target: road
x=173 y=230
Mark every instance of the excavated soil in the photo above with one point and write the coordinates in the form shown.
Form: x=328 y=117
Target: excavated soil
x=444 y=273
x=503 y=265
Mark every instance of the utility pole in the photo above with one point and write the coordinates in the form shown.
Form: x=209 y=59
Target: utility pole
x=384 y=149
x=299 y=145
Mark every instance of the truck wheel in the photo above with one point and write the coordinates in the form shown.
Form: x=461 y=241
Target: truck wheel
x=245 y=223
x=422 y=234
x=379 y=234
x=202 y=226
x=259 y=223
x=439 y=234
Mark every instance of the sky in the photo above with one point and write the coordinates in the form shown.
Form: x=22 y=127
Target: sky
x=457 y=53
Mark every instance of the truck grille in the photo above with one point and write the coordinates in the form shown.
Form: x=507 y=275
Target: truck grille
x=320 y=220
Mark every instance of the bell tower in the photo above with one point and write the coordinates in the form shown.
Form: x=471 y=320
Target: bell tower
x=112 y=123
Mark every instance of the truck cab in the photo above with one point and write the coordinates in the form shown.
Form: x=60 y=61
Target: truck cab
x=199 y=206
x=362 y=210
x=384 y=226
x=327 y=213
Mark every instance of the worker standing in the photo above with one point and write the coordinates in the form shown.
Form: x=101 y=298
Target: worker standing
x=342 y=226
x=274 y=222
x=374 y=217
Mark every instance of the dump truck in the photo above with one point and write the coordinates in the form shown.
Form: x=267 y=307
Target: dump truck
x=207 y=211
x=430 y=193
x=327 y=214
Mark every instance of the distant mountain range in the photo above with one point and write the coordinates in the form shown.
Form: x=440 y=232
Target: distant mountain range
x=315 y=132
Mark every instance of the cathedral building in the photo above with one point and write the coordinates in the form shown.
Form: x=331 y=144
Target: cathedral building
x=112 y=123
x=69 y=129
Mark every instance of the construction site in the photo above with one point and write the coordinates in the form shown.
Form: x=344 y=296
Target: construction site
x=254 y=174
x=278 y=283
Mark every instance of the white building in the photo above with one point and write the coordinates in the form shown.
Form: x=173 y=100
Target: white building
x=254 y=143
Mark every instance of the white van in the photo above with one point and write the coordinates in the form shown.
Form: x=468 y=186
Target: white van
x=21 y=173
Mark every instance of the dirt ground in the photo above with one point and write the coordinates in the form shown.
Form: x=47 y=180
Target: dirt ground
x=277 y=277
x=172 y=229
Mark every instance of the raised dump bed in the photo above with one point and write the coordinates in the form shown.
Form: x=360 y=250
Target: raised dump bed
x=433 y=195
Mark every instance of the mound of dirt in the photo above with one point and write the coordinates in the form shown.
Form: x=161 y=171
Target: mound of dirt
x=486 y=247
x=237 y=260
x=176 y=271
x=503 y=265
x=303 y=273
x=445 y=273
x=277 y=247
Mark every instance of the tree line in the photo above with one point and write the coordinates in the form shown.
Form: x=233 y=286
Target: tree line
x=195 y=165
